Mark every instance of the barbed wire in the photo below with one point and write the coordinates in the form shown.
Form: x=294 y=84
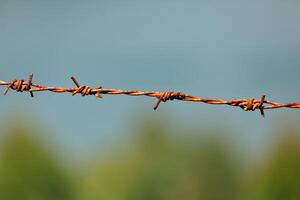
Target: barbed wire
x=249 y=104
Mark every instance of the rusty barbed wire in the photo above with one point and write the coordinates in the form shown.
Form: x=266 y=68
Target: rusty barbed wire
x=249 y=104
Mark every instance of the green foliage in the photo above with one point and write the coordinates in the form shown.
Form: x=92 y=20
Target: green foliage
x=280 y=178
x=28 y=171
x=157 y=163
x=160 y=166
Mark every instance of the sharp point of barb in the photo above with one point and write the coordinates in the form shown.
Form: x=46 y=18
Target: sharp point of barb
x=3 y=82
x=250 y=104
x=75 y=81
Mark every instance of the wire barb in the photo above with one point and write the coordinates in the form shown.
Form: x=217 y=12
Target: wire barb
x=250 y=104
x=168 y=95
x=19 y=85
x=85 y=90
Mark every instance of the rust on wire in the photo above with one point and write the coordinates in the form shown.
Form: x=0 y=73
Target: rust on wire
x=250 y=104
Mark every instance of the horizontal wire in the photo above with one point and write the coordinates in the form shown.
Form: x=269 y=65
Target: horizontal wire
x=247 y=104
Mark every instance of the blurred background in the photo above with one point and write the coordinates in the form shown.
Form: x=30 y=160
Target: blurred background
x=55 y=146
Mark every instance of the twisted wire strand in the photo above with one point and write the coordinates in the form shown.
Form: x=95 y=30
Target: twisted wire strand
x=250 y=104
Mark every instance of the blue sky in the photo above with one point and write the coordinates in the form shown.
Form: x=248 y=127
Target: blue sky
x=225 y=49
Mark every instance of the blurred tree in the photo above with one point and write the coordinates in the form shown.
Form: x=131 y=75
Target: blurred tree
x=28 y=171
x=280 y=179
x=158 y=165
x=217 y=171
